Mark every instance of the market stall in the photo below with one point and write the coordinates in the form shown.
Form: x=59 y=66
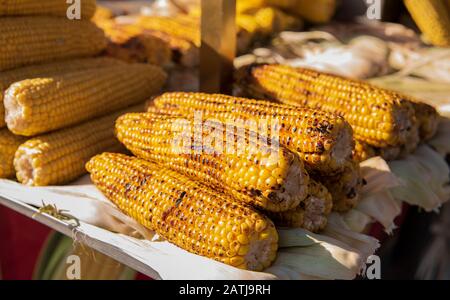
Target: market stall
x=322 y=131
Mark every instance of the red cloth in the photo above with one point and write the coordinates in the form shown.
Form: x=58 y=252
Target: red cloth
x=21 y=240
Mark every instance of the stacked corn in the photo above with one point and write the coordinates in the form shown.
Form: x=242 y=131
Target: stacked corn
x=211 y=188
x=384 y=122
x=323 y=141
x=58 y=102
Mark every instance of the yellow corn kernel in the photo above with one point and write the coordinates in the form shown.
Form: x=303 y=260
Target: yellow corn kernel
x=8 y=146
x=170 y=204
x=41 y=105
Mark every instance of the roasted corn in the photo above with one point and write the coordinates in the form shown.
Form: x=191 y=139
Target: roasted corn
x=379 y=117
x=8 y=146
x=60 y=157
x=41 y=105
x=31 y=40
x=185 y=212
x=311 y=214
x=43 y=70
x=323 y=141
x=270 y=177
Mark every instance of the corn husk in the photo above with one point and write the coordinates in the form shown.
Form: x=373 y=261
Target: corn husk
x=425 y=177
x=441 y=141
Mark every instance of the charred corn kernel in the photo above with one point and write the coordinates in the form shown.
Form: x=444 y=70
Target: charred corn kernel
x=44 y=104
x=170 y=203
x=33 y=40
x=379 y=117
x=433 y=19
x=9 y=77
x=344 y=187
x=179 y=26
x=323 y=141
x=162 y=138
x=60 y=157
x=311 y=214
x=57 y=8
x=8 y=146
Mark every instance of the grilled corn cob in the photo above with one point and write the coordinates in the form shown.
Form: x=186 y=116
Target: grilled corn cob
x=8 y=146
x=184 y=27
x=433 y=19
x=323 y=141
x=363 y=152
x=9 y=77
x=344 y=186
x=272 y=178
x=378 y=117
x=58 y=8
x=60 y=157
x=33 y=40
x=311 y=214
x=427 y=119
x=185 y=212
x=44 y=104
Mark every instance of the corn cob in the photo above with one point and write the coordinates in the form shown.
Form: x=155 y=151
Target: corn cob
x=272 y=178
x=427 y=119
x=185 y=212
x=9 y=77
x=58 y=8
x=249 y=6
x=8 y=146
x=184 y=27
x=141 y=49
x=318 y=11
x=271 y=20
x=433 y=19
x=44 y=104
x=344 y=187
x=60 y=157
x=378 y=117
x=363 y=152
x=322 y=140
x=34 y=40
x=311 y=214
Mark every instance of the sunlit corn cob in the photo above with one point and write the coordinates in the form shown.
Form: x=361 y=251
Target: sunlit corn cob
x=271 y=20
x=44 y=104
x=184 y=27
x=311 y=214
x=344 y=187
x=433 y=19
x=318 y=11
x=323 y=141
x=57 y=8
x=271 y=177
x=9 y=77
x=8 y=146
x=60 y=157
x=33 y=40
x=186 y=212
x=378 y=117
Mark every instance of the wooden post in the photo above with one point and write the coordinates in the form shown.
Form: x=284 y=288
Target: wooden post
x=218 y=49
